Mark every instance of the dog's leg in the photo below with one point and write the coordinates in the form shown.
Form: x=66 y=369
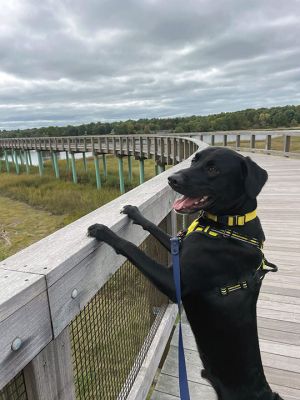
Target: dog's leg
x=138 y=219
x=159 y=275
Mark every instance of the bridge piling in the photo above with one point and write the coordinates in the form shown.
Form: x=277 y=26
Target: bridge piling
x=161 y=168
x=15 y=156
x=129 y=168
x=104 y=165
x=6 y=161
x=26 y=162
x=121 y=174
x=84 y=162
x=21 y=157
x=97 y=171
x=29 y=157
x=142 y=170
x=67 y=162
x=73 y=164
x=55 y=164
x=41 y=165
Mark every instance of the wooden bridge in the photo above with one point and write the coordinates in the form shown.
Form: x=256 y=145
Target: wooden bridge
x=77 y=321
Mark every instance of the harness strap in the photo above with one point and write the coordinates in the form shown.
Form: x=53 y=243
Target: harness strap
x=258 y=276
x=208 y=230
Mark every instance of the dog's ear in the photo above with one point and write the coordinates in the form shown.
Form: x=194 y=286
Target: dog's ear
x=255 y=177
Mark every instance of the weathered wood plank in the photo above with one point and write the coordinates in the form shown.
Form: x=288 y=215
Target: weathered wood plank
x=49 y=376
x=17 y=289
x=163 y=396
x=31 y=323
x=169 y=384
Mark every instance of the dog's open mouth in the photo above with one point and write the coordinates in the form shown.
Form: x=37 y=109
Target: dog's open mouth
x=189 y=205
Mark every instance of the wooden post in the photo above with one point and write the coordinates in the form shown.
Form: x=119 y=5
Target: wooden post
x=252 y=142
x=55 y=164
x=121 y=174
x=6 y=161
x=268 y=143
x=26 y=162
x=212 y=139
x=286 y=145
x=129 y=169
x=16 y=162
x=84 y=162
x=104 y=165
x=73 y=163
x=49 y=376
x=225 y=140
x=142 y=171
x=238 y=142
x=174 y=151
x=97 y=171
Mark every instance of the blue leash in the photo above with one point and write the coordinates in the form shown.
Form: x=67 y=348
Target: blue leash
x=183 y=382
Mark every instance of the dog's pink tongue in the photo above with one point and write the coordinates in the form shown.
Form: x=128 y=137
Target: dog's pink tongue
x=183 y=203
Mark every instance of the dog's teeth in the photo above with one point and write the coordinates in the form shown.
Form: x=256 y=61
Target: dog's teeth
x=196 y=202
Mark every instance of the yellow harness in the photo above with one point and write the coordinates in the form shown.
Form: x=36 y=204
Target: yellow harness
x=264 y=267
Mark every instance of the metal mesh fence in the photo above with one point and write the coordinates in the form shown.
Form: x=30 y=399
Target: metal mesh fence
x=111 y=335
x=15 y=389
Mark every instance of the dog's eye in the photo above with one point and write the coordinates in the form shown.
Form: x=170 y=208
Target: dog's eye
x=212 y=170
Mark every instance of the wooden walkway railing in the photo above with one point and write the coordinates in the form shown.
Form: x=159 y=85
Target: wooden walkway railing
x=47 y=289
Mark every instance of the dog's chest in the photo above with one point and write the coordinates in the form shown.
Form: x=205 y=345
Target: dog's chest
x=207 y=263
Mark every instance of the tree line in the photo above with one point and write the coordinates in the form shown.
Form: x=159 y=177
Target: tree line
x=262 y=118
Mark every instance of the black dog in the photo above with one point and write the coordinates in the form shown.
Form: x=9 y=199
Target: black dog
x=222 y=266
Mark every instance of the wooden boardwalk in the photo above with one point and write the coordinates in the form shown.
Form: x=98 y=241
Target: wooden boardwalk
x=279 y=303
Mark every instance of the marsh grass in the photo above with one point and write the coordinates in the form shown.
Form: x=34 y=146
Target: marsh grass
x=32 y=207
x=24 y=225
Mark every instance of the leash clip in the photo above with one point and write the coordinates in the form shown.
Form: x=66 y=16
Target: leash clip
x=174 y=246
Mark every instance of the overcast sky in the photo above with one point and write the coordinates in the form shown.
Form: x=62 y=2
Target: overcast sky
x=74 y=61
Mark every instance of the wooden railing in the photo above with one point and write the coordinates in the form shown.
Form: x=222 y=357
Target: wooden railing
x=161 y=148
x=45 y=286
x=283 y=142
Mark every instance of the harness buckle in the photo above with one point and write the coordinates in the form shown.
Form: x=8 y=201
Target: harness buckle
x=224 y=291
x=227 y=233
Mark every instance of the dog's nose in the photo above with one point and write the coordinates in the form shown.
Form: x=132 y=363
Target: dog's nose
x=176 y=179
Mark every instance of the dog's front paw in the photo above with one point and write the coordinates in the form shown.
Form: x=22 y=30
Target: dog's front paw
x=133 y=213
x=99 y=231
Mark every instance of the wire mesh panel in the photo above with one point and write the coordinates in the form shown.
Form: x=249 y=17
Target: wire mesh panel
x=111 y=335
x=15 y=389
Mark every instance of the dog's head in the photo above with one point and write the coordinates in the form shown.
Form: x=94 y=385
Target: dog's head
x=218 y=180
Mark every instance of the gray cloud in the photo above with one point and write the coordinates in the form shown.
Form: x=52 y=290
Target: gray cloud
x=73 y=61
